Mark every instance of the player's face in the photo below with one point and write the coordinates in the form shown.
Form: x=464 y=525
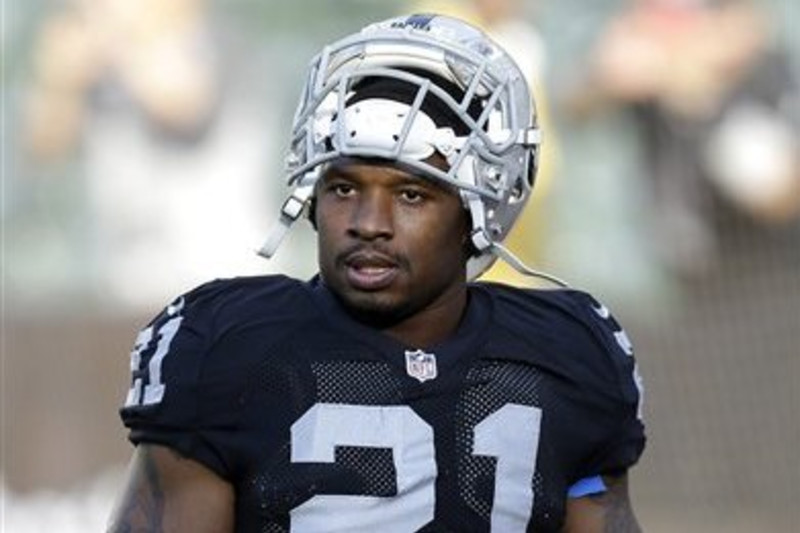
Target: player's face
x=391 y=244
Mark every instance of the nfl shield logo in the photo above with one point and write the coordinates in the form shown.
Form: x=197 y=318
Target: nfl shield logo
x=420 y=365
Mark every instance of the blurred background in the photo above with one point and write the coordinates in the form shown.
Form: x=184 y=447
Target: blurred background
x=142 y=146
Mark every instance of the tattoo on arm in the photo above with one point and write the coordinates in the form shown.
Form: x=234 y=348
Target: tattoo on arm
x=144 y=509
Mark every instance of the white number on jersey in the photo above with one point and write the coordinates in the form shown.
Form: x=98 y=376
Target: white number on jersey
x=511 y=434
x=163 y=335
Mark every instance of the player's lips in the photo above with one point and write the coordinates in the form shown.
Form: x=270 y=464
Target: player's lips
x=370 y=271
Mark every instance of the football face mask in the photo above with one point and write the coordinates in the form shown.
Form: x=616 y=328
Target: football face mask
x=403 y=89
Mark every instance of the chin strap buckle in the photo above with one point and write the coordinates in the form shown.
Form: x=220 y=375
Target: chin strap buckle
x=290 y=211
x=530 y=137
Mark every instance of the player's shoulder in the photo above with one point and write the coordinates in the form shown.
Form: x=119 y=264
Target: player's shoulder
x=567 y=303
x=225 y=308
x=564 y=315
x=241 y=292
x=570 y=331
x=229 y=300
x=221 y=324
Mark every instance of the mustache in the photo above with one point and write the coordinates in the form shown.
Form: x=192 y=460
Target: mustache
x=360 y=250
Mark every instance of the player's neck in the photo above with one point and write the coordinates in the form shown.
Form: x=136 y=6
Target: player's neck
x=433 y=324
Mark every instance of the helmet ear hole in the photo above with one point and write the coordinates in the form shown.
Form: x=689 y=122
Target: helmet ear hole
x=532 y=166
x=517 y=192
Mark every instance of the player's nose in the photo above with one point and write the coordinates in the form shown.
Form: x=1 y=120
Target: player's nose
x=372 y=217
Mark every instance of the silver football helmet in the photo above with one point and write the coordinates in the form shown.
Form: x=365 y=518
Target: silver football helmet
x=410 y=86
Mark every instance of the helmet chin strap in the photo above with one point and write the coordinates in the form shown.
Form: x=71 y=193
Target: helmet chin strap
x=481 y=237
x=290 y=211
x=516 y=263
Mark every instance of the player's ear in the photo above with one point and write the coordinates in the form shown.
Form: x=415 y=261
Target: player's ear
x=466 y=237
x=312 y=212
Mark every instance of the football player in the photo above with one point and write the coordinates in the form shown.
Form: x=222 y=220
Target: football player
x=391 y=392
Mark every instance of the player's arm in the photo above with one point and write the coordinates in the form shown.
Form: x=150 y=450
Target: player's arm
x=608 y=511
x=166 y=492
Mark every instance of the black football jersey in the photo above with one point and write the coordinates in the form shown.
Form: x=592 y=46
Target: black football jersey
x=323 y=424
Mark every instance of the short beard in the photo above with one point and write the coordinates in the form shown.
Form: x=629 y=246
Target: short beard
x=374 y=313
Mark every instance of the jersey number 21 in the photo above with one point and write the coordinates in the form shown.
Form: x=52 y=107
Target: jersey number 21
x=510 y=434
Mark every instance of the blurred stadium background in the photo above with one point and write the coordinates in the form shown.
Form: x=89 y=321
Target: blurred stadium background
x=141 y=154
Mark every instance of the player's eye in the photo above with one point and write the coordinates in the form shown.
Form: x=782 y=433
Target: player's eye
x=412 y=196
x=342 y=190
